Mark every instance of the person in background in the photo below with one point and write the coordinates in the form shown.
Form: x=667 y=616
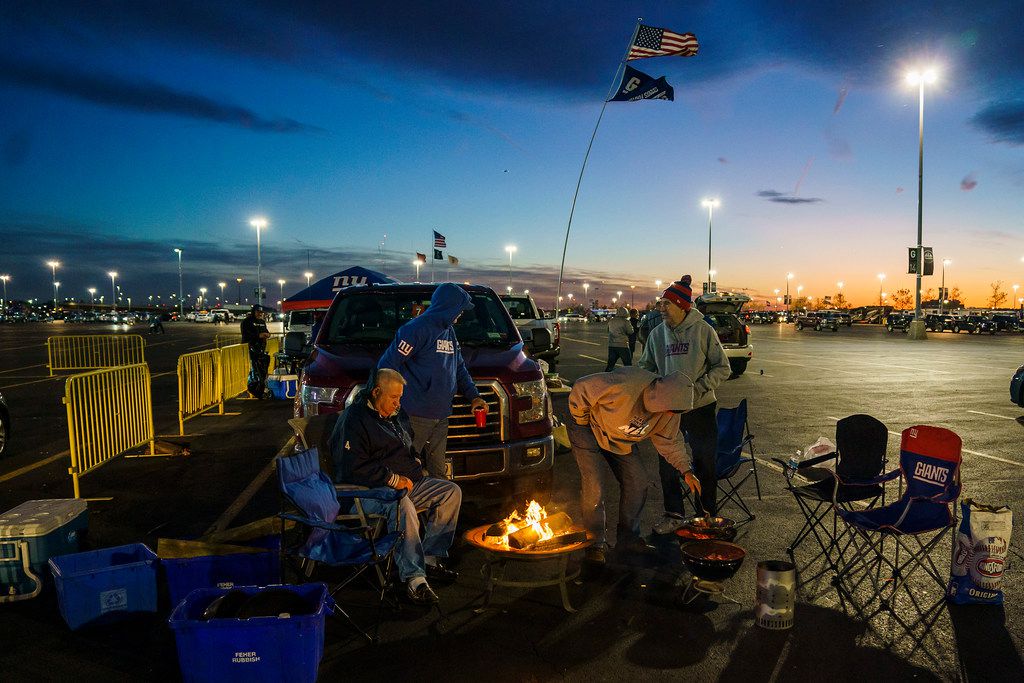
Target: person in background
x=611 y=413
x=255 y=334
x=634 y=321
x=651 y=320
x=371 y=446
x=156 y=325
x=686 y=343
x=619 y=330
x=426 y=352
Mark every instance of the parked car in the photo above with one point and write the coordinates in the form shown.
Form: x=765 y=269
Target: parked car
x=1016 y=388
x=977 y=324
x=1006 y=322
x=816 y=321
x=573 y=317
x=722 y=310
x=935 y=322
x=541 y=335
x=841 y=317
x=5 y=427
x=204 y=317
x=513 y=455
x=898 y=321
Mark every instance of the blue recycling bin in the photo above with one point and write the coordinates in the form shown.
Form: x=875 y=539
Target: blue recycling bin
x=105 y=585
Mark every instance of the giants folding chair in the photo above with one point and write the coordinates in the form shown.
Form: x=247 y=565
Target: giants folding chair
x=733 y=436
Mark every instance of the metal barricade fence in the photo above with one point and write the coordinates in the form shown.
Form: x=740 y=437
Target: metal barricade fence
x=92 y=351
x=234 y=369
x=110 y=412
x=222 y=339
x=199 y=385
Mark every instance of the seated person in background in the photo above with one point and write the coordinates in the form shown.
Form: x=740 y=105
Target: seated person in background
x=612 y=412
x=371 y=446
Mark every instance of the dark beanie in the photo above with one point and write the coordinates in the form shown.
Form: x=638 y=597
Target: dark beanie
x=680 y=294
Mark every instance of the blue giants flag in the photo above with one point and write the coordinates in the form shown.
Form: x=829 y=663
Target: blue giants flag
x=636 y=85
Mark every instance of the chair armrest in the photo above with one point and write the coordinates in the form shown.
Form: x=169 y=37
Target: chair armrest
x=329 y=526
x=874 y=481
x=811 y=462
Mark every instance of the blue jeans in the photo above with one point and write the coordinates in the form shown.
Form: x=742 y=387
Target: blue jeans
x=700 y=430
x=430 y=437
x=441 y=500
x=628 y=471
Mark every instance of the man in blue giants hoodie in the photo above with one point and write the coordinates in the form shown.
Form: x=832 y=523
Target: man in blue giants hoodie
x=426 y=352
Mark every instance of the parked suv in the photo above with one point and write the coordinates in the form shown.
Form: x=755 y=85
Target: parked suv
x=939 y=323
x=1006 y=322
x=721 y=310
x=817 y=321
x=541 y=335
x=513 y=455
x=976 y=324
x=898 y=321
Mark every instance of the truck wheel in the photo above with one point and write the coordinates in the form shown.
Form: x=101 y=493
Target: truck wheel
x=817 y=327
x=799 y=326
x=738 y=365
x=888 y=328
x=956 y=329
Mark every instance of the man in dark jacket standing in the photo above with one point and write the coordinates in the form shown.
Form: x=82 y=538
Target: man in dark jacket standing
x=255 y=334
x=426 y=352
x=371 y=446
x=619 y=332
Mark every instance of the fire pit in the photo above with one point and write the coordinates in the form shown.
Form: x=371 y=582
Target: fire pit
x=711 y=563
x=531 y=537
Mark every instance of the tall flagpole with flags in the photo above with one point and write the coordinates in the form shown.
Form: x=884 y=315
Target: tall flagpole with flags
x=647 y=41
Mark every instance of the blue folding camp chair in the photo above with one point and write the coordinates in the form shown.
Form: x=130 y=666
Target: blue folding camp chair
x=323 y=540
x=930 y=472
x=733 y=436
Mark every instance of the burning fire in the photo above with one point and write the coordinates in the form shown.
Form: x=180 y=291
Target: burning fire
x=533 y=517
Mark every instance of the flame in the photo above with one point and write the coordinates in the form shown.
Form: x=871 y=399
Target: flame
x=534 y=516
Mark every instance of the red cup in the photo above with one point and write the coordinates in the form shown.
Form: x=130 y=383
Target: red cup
x=481 y=417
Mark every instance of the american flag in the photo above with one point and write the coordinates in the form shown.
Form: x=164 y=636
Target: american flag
x=439 y=242
x=657 y=42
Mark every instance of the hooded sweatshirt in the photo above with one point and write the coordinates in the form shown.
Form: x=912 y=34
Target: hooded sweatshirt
x=619 y=328
x=693 y=348
x=427 y=354
x=629 y=404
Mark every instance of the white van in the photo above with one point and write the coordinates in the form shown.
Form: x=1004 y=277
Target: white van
x=300 y=321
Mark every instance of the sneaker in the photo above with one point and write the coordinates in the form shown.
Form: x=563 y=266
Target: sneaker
x=422 y=594
x=440 y=573
x=668 y=524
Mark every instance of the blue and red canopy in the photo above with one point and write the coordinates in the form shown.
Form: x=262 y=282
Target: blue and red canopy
x=321 y=293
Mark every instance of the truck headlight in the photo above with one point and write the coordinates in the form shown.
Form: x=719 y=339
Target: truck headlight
x=537 y=392
x=312 y=397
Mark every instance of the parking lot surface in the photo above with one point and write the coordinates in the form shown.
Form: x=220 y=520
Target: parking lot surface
x=630 y=622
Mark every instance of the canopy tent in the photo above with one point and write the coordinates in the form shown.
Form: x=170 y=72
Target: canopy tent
x=321 y=293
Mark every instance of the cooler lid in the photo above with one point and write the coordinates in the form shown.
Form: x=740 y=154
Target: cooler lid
x=39 y=517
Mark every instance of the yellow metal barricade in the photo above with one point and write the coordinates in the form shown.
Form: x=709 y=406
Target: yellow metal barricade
x=199 y=385
x=273 y=347
x=234 y=369
x=110 y=412
x=91 y=351
x=222 y=339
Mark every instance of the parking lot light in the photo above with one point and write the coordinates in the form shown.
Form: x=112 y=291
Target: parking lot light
x=881 y=279
x=113 y=290
x=526 y=291
x=416 y=263
x=238 y=301
x=222 y=285
x=586 y=292
x=259 y=223
x=789 y=302
x=280 y=283
x=54 y=265
x=710 y=203
x=202 y=296
x=181 y=287
x=3 y=304
x=943 y=296
x=92 y=295
x=308 y=275
x=919 y=78
x=632 y=296
x=511 y=249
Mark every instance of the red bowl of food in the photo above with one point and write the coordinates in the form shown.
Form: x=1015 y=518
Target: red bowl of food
x=713 y=560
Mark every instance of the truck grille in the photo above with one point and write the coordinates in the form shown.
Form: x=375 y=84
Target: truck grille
x=462 y=429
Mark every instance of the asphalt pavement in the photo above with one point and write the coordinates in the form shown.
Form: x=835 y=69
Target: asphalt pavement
x=630 y=622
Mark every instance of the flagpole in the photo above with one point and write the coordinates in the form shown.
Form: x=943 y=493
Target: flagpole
x=579 y=181
x=430 y=253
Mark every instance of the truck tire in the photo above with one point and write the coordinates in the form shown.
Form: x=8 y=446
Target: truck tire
x=817 y=327
x=888 y=328
x=738 y=365
x=956 y=329
x=799 y=325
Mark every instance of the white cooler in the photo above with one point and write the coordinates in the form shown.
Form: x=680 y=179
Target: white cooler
x=30 y=535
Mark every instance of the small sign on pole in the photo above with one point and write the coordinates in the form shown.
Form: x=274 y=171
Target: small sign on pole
x=929 y=262
x=912 y=261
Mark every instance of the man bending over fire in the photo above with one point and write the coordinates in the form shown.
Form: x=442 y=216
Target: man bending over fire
x=371 y=446
x=612 y=412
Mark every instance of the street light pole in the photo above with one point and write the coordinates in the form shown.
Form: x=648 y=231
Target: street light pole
x=181 y=287
x=308 y=275
x=632 y=296
x=280 y=283
x=222 y=285
x=919 y=79
x=789 y=302
x=586 y=293
x=881 y=279
x=710 y=204
x=238 y=301
x=113 y=290
x=511 y=250
x=259 y=223
x=92 y=296
x=942 y=293
x=5 y=278
x=53 y=270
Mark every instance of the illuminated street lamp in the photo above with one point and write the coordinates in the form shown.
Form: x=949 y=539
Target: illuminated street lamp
x=54 y=265
x=943 y=297
x=710 y=204
x=526 y=291
x=202 y=296
x=259 y=223
x=919 y=78
x=417 y=263
x=632 y=296
x=238 y=281
x=5 y=278
x=113 y=290
x=222 y=285
x=586 y=292
x=92 y=295
x=789 y=302
x=280 y=283
x=181 y=289
x=881 y=279
x=308 y=275
x=509 y=289
x=511 y=249
x=618 y=294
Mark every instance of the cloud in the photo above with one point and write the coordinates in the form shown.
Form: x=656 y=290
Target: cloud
x=840 y=99
x=969 y=182
x=1002 y=120
x=900 y=190
x=784 y=198
x=144 y=96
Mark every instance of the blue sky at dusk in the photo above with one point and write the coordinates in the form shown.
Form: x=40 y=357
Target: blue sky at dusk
x=129 y=128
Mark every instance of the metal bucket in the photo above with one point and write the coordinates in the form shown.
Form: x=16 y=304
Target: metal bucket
x=776 y=595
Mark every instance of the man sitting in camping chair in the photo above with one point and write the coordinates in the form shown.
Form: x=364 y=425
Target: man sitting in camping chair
x=371 y=446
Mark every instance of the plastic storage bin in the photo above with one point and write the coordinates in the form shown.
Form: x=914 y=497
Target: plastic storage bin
x=31 y=534
x=186 y=574
x=283 y=386
x=257 y=649
x=105 y=585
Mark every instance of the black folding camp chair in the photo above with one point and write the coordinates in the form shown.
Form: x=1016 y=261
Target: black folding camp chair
x=860 y=456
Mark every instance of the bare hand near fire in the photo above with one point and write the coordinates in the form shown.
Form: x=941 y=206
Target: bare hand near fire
x=404 y=483
x=693 y=482
x=479 y=403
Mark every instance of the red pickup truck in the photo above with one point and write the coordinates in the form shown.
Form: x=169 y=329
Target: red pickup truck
x=513 y=455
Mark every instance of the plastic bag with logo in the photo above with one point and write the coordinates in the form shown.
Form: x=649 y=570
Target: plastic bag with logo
x=979 y=554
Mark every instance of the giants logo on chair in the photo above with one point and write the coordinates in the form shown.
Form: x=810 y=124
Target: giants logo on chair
x=932 y=474
x=445 y=346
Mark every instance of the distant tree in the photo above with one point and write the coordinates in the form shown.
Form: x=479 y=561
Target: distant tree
x=998 y=296
x=839 y=301
x=800 y=302
x=929 y=294
x=955 y=295
x=901 y=299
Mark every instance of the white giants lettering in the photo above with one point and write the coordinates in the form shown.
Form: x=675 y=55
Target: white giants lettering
x=445 y=346
x=933 y=474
